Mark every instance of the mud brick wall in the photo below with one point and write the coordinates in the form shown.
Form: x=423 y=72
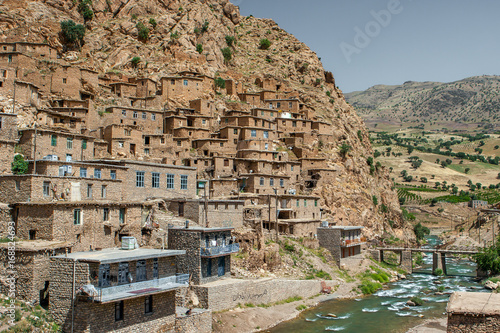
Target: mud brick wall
x=473 y=323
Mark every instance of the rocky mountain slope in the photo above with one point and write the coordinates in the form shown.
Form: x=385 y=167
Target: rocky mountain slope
x=474 y=100
x=190 y=35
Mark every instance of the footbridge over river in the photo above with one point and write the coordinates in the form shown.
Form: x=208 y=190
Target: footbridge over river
x=405 y=256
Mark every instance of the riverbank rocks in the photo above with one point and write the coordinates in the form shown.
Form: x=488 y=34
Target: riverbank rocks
x=491 y=285
x=411 y=303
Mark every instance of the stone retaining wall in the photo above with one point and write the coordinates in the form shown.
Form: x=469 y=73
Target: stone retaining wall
x=473 y=323
x=227 y=295
x=197 y=322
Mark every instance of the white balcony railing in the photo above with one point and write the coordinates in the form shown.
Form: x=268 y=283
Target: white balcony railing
x=220 y=250
x=107 y=294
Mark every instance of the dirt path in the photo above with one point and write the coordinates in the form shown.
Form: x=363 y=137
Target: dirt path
x=431 y=326
x=257 y=319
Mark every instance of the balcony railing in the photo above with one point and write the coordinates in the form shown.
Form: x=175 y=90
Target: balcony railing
x=353 y=242
x=108 y=294
x=220 y=250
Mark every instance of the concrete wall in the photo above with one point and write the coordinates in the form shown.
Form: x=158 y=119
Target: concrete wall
x=330 y=240
x=196 y=322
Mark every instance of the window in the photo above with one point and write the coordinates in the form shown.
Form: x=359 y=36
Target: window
x=155 y=268
x=278 y=104
x=155 y=180
x=172 y=82
x=226 y=121
x=135 y=114
x=69 y=157
x=144 y=115
x=112 y=174
x=18 y=185
x=153 y=116
x=266 y=134
x=290 y=105
x=97 y=173
x=122 y=215
x=185 y=82
x=184 y=182
x=32 y=234
x=123 y=273
x=89 y=191
x=235 y=131
x=170 y=181
x=104 y=190
x=105 y=214
x=146 y=151
x=69 y=143
x=119 y=311
x=282 y=182
x=84 y=144
x=162 y=141
x=270 y=105
x=127 y=132
x=291 y=167
x=140 y=272
x=261 y=181
x=104 y=275
x=53 y=140
x=305 y=202
x=121 y=144
x=298 y=203
x=253 y=133
x=315 y=203
x=179 y=143
x=139 y=179
x=266 y=146
x=64 y=80
x=124 y=113
x=77 y=216
x=10 y=58
x=261 y=113
x=272 y=114
x=221 y=144
x=46 y=189
x=0 y=117
x=203 y=121
x=83 y=172
x=271 y=181
x=148 y=304
x=226 y=162
x=294 y=124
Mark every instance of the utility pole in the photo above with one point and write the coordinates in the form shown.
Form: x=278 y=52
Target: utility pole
x=34 y=150
x=269 y=209
x=206 y=204
x=277 y=213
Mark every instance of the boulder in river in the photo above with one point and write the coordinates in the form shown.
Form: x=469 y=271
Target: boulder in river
x=491 y=285
x=411 y=303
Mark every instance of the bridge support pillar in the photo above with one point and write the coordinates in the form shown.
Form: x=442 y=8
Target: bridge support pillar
x=375 y=255
x=406 y=261
x=438 y=261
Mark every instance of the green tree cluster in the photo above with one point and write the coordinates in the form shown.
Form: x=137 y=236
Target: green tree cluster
x=72 y=33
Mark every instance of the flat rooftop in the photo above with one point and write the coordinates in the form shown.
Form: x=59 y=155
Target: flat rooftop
x=108 y=256
x=201 y=229
x=37 y=245
x=344 y=227
x=474 y=303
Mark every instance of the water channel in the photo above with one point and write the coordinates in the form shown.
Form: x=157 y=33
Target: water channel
x=386 y=310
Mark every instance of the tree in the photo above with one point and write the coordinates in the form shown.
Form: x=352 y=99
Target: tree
x=227 y=54
x=19 y=166
x=143 y=31
x=204 y=27
x=467 y=170
x=404 y=173
x=344 y=149
x=85 y=10
x=479 y=185
x=410 y=150
x=488 y=259
x=423 y=179
x=230 y=40
x=497 y=146
x=375 y=200
x=420 y=231
x=199 y=48
x=220 y=83
x=434 y=201
x=72 y=33
x=153 y=23
x=135 y=61
x=264 y=43
x=443 y=164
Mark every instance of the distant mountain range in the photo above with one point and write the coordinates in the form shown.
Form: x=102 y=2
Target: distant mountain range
x=472 y=102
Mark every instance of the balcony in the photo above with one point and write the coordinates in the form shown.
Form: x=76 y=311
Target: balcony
x=130 y=290
x=217 y=251
x=352 y=242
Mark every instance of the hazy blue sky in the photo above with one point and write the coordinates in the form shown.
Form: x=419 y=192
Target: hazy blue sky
x=422 y=40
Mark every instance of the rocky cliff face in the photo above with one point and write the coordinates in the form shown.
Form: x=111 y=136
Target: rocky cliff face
x=177 y=28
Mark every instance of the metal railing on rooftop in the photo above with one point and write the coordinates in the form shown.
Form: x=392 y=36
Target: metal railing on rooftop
x=170 y=282
x=355 y=241
x=220 y=250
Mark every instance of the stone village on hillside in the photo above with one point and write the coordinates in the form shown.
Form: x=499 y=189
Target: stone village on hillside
x=127 y=211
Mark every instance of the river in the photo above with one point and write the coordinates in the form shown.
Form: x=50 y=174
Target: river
x=386 y=310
